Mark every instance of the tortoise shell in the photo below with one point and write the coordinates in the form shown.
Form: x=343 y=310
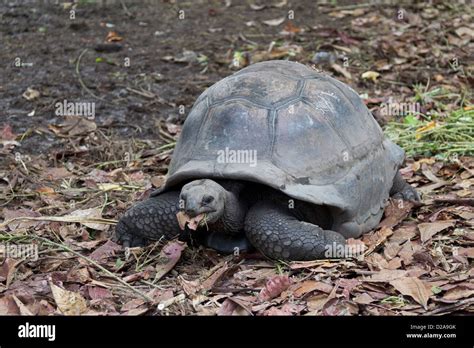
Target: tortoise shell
x=284 y=125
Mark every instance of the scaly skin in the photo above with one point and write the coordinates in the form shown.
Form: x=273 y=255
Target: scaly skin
x=152 y=219
x=269 y=225
x=278 y=234
x=402 y=190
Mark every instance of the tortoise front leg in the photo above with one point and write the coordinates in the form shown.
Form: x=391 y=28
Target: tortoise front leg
x=152 y=219
x=279 y=235
x=402 y=190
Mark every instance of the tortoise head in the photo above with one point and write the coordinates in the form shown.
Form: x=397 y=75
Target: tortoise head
x=203 y=197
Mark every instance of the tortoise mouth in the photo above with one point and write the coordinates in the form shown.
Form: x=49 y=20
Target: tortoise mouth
x=195 y=213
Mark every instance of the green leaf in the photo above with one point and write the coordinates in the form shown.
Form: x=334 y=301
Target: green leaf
x=99 y=60
x=436 y=290
x=118 y=263
x=411 y=120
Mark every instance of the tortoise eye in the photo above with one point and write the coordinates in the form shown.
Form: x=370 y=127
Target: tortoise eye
x=207 y=199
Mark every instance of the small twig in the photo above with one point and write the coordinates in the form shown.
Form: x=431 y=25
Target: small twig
x=233 y=290
x=166 y=303
x=382 y=307
x=447 y=276
x=125 y=9
x=362 y=272
x=151 y=284
x=450 y=308
x=78 y=62
x=348 y=7
x=244 y=39
x=460 y=201
x=120 y=280
x=166 y=135
x=60 y=219
x=145 y=94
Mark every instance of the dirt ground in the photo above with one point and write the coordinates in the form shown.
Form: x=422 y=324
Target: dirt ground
x=65 y=180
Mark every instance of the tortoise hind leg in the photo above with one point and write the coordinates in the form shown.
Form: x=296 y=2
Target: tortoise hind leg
x=152 y=219
x=279 y=235
x=402 y=190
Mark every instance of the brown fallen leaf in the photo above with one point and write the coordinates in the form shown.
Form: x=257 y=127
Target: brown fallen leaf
x=403 y=233
x=191 y=222
x=113 y=36
x=8 y=306
x=68 y=302
x=45 y=190
x=73 y=126
x=7 y=133
x=395 y=213
x=7 y=270
x=458 y=293
x=215 y=276
x=407 y=252
x=55 y=173
x=190 y=287
x=290 y=29
x=96 y=292
x=376 y=239
x=310 y=264
x=386 y=275
x=311 y=285
x=348 y=285
x=23 y=309
x=363 y=298
x=338 y=307
x=244 y=304
x=395 y=263
x=275 y=53
x=391 y=250
x=81 y=275
x=274 y=287
x=316 y=303
x=429 y=229
x=91 y=213
x=413 y=287
x=341 y=70
x=106 y=250
x=286 y=309
x=465 y=32
x=18 y=224
x=158 y=181
x=169 y=257
x=158 y=295
x=376 y=262
x=227 y=307
x=134 y=307
x=468 y=252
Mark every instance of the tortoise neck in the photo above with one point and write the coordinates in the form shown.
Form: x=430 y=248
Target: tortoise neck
x=234 y=212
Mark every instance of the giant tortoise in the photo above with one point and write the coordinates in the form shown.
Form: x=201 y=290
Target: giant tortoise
x=278 y=157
